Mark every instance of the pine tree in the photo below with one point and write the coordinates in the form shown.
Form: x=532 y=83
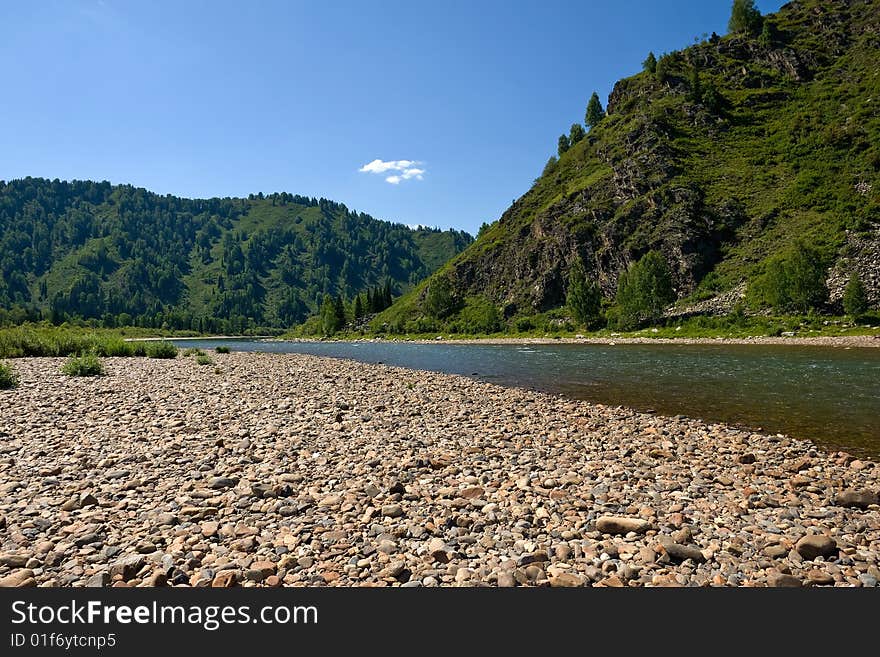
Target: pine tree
x=358 y=307
x=576 y=134
x=389 y=297
x=661 y=70
x=564 y=144
x=595 y=113
x=339 y=312
x=696 y=87
x=745 y=17
x=650 y=63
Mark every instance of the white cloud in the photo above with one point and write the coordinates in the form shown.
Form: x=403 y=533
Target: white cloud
x=402 y=170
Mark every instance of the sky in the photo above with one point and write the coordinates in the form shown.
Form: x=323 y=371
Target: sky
x=433 y=113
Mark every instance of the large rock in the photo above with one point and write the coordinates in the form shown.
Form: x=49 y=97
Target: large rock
x=810 y=547
x=859 y=499
x=621 y=525
x=18 y=579
x=14 y=560
x=783 y=580
x=218 y=483
x=127 y=567
x=681 y=552
x=564 y=580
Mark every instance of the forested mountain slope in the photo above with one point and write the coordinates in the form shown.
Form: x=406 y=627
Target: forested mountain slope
x=125 y=255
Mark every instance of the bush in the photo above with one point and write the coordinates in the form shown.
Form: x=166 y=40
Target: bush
x=855 y=300
x=8 y=377
x=643 y=292
x=793 y=281
x=584 y=297
x=479 y=315
x=161 y=349
x=204 y=359
x=87 y=364
x=222 y=349
x=440 y=299
x=192 y=351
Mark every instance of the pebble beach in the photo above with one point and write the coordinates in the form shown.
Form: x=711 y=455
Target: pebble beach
x=293 y=470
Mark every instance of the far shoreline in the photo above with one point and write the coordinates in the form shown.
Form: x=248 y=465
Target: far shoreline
x=843 y=341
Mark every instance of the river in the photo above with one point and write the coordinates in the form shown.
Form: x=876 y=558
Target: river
x=830 y=395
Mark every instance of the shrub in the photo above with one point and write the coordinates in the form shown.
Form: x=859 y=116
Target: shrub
x=8 y=377
x=204 y=359
x=161 y=349
x=644 y=291
x=479 y=315
x=86 y=364
x=855 y=301
x=192 y=351
x=222 y=349
x=584 y=297
x=440 y=298
x=793 y=281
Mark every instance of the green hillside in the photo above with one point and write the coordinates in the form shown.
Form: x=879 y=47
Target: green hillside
x=728 y=158
x=124 y=255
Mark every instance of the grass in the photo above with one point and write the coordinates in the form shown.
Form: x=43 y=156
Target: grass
x=222 y=349
x=192 y=351
x=204 y=359
x=86 y=364
x=551 y=325
x=161 y=349
x=53 y=341
x=8 y=377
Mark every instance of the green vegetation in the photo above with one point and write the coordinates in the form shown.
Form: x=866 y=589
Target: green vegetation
x=204 y=359
x=650 y=63
x=160 y=349
x=794 y=281
x=86 y=364
x=855 y=300
x=122 y=256
x=222 y=349
x=643 y=292
x=745 y=17
x=595 y=113
x=8 y=377
x=192 y=351
x=584 y=298
x=440 y=299
x=563 y=145
x=45 y=340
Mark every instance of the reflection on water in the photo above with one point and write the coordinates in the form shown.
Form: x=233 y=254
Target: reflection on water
x=830 y=395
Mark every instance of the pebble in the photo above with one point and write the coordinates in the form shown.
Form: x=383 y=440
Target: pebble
x=168 y=474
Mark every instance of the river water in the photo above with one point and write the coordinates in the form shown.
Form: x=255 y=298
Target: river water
x=829 y=395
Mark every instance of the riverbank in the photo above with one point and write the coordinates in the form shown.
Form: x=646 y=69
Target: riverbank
x=819 y=341
x=302 y=471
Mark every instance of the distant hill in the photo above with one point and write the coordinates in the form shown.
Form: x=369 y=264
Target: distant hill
x=720 y=157
x=124 y=255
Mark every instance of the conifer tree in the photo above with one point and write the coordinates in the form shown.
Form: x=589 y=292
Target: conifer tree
x=595 y=113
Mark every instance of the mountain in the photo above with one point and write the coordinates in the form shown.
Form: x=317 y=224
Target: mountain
x=723 y=157
x=124 y=255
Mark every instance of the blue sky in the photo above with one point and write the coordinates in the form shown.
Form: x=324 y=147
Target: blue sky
x=457 y=104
